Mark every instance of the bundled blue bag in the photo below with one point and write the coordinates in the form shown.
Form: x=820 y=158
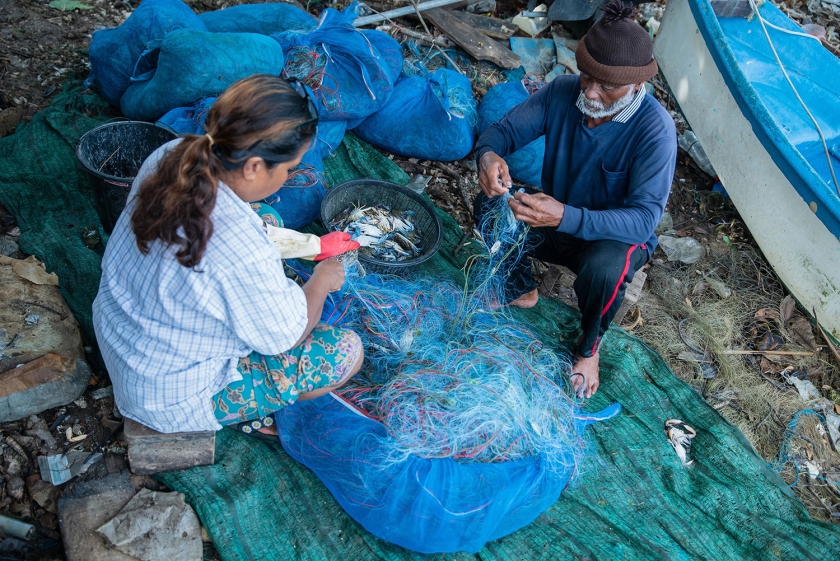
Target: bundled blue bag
x=426 y=505
x=114 y=52
x=188 y=120
x=188 y=65
x=330 y=135
x=428 y=116
x=347 y=73
x=390 y=50
x=258 y=18
x=526 y=163
x=298 y=202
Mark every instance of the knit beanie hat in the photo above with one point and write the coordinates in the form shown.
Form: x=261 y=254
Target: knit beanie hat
x=617 y=50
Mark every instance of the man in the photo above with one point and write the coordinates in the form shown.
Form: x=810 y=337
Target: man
x=610 y=154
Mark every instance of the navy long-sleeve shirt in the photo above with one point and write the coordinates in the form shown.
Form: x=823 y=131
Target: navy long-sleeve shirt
x=614 y=179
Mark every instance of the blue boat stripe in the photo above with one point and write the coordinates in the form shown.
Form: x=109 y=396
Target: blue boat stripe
x=788 y=159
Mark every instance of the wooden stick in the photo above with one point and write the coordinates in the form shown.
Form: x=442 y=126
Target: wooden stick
x=827 y=340
x=390 y=29
x=771 y=353
x=109 y=158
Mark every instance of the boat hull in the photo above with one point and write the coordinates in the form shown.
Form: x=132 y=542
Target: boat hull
x=802 y=250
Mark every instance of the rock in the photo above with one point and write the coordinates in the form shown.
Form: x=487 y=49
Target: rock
x=91 y=505
x=9 y=119
x=155 y=525
x=41 y=339
x=8 y=246
x=14 y=486
x=43 y=493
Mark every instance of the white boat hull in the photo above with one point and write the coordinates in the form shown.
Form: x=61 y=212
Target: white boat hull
x=800 y=248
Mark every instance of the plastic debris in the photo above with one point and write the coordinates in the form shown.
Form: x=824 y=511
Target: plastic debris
x=61 y=468
x=807 y=390
x=689 y=142
x=687 y=250
x=16 y=528
x=533 y=23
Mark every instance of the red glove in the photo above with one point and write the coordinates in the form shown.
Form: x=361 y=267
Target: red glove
x=335 y=243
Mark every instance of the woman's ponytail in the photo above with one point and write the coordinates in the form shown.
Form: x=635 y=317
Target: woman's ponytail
x=263 y=116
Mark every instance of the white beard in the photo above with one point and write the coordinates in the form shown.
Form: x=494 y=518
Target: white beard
x=596 y=109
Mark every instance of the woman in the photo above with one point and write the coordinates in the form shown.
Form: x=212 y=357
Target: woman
x=197 y=322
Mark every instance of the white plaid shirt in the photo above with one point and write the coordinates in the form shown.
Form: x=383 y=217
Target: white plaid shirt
x=171 y=337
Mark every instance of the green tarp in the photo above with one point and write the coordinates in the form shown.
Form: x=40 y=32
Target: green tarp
x=634 y=499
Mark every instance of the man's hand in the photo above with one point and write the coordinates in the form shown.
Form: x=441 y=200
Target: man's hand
x=329 y=274
x=493 y=175
x=537 y=210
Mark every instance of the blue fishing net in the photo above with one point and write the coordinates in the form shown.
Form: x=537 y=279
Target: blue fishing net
x=350 y=77
x=429 y=116
x=330 y=135
x=462 y=427
x=188 y=65
x=265 y=19
x=526 y=163
x=114 y=52
x=188 y=120
x=299 y=200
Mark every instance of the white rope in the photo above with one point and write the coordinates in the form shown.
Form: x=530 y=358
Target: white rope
x=764 y=23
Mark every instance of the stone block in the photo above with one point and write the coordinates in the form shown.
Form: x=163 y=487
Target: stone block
x=150 y=451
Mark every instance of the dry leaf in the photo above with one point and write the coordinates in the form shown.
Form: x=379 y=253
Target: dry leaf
x=803 y=333
x=786 y=308
x=767 y=314
x=770 y=342
x=699 y=289
x=837 y=408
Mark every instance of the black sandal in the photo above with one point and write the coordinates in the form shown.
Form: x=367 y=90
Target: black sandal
x=252 y=428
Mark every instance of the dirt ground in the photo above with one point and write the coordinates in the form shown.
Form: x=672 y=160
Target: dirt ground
x=679 y=313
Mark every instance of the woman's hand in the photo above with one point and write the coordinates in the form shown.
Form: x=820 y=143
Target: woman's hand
x=493 y=175
x=329 y=273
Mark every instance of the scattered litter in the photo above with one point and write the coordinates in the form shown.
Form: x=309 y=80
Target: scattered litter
x=718 y=286
x=689 y=142
x=75 y=434
x=102 y=393
x=61 y=468
x=532 y=23
x=17 y=528
x=155 y=525
x=382 y=233
x=81 y=403
x=807 y=390
x=32 y=319
x=538 y=55
x=680 y=434
x=687 y=249
x=832 y=421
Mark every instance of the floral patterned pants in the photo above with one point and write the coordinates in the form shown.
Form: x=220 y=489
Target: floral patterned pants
x=269 y=383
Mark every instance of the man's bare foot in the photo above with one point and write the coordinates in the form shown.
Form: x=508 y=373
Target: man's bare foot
x=271 y=431
x=585 y=376
x=527 y=300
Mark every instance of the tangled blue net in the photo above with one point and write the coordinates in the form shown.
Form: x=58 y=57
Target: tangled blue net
x=462 y=426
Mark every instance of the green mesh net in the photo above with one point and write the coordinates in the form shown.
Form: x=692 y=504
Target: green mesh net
x=634 y=500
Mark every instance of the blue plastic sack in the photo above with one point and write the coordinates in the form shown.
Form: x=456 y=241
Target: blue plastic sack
x=330 y=135
x=188 y=120
x=430 y=117
x=189 y=65
x=347 y=73
x=259 y=18
x=114 y=52
x=526 y=163
x=298 y=202
x=389 y=49
x=426 y=505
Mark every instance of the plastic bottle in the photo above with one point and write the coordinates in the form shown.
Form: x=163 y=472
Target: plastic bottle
x=688 y=141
